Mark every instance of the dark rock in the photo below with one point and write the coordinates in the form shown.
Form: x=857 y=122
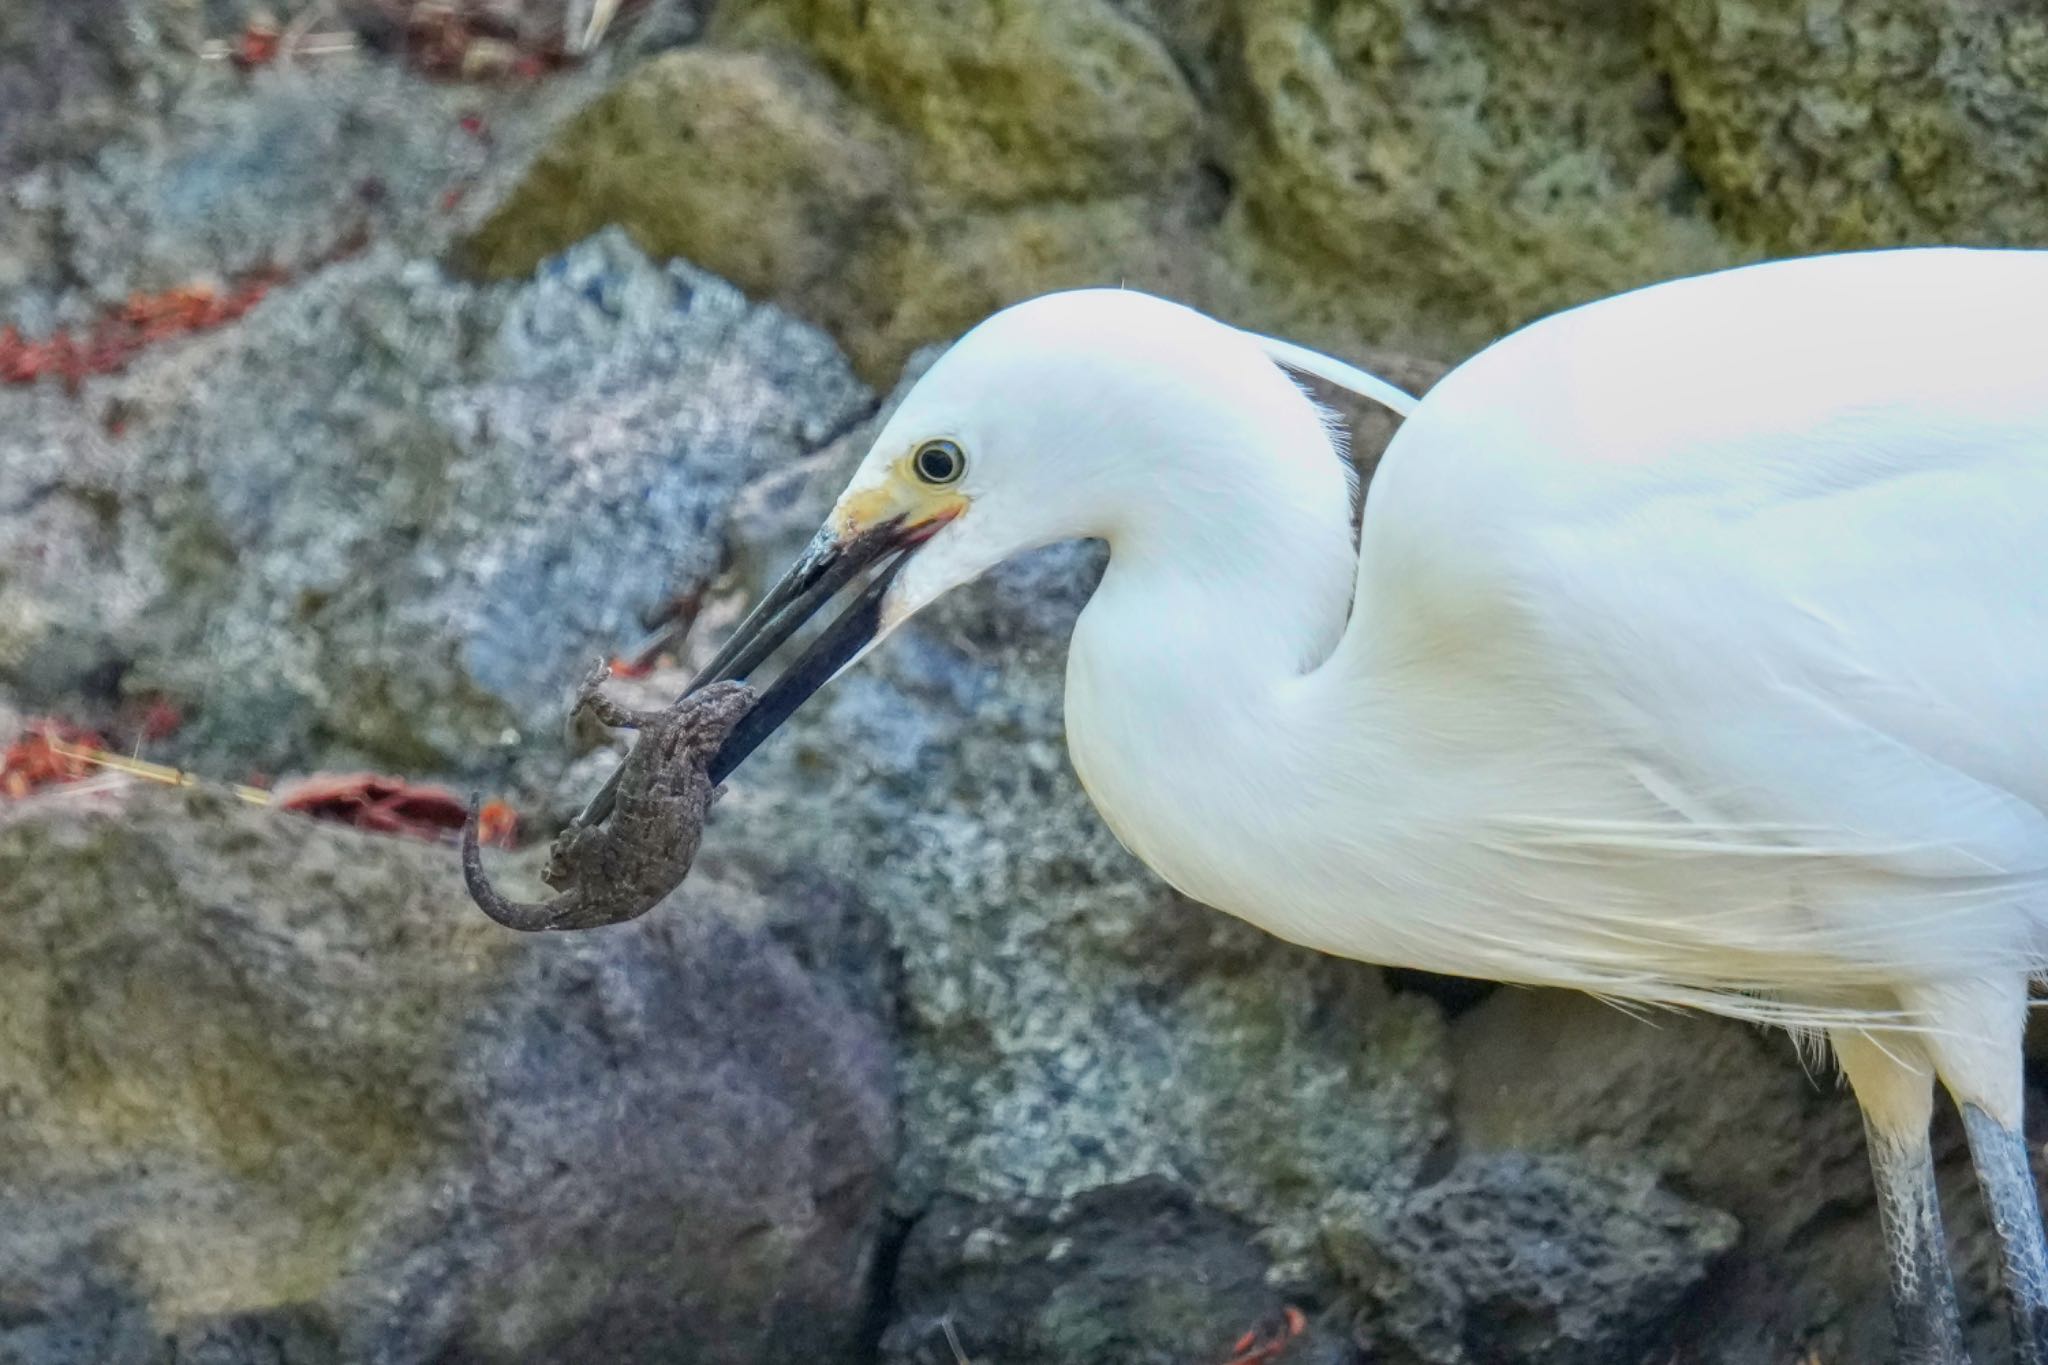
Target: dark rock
x=1133 y=1274
x=1733 y=1116
x=1532 y=1259
x=298 y=1102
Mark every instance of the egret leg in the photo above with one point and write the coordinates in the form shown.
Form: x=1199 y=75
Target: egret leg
x=1895 y=1087
x=1976 y=1045
x=2000 y=1154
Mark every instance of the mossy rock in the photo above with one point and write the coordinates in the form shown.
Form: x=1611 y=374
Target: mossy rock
x=1419 y=174
x=267 y=1082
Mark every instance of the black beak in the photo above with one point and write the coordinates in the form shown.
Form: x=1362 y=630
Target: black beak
x=826 y=566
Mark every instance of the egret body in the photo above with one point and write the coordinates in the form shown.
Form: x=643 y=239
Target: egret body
x=1693 y=651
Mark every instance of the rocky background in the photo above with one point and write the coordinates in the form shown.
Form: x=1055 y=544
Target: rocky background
x=551 y=312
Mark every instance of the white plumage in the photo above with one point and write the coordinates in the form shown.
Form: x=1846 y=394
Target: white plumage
x=1693 y=651
x=1700 y=638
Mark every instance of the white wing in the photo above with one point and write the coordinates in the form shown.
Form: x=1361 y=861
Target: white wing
x=1776 y=539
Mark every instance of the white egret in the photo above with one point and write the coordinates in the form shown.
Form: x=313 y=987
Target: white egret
x=1693 y=651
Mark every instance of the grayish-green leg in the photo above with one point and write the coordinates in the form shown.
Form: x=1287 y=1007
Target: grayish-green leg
x=1923 y=1288
x=2000 y=1154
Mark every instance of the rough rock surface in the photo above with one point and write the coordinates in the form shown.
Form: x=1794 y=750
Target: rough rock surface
x=271 y=1091
x=1816 y=125
x=1138 y=1274
x=1421 y=173
x=1525 y=1258
x=406 y=552
x=131 y=160
x=275 y=1094
x=1731 y=1116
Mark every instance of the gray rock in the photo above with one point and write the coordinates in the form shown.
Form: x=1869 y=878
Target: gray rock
x=132 y=158
x=1735 y=1117
x=297 y=1102
x=1135 y=1274
x=1532 y=1259
x=389 y=517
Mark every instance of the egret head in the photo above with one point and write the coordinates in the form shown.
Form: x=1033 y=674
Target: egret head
x=1047 y=422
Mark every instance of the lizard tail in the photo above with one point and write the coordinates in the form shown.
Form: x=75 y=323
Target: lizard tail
x=525 y=916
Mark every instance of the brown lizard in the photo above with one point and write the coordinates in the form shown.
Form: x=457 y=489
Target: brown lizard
x=621 y=869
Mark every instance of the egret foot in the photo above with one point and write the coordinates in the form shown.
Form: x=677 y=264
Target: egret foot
x=2000 y=1155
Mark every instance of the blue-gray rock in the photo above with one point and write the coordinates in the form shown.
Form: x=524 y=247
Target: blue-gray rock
x=390 y=516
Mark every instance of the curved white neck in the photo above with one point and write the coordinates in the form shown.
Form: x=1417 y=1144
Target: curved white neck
x=1230 y=583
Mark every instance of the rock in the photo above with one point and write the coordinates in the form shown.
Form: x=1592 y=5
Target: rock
x=754 y=163
x=1819 y=126
x=751 y=165
x=1730 y=1115
x=296 y=1101
x=133 y=162
x=1460 y=166
x=1067 y=99
x=1533 y=1259
x=1420 y=174
x=59 y=74
x=1135 y=1274
x=390 y=518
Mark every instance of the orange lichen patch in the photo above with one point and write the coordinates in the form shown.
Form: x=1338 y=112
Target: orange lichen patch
x=1254 y=1348
x=48 y=754
x=116 y=339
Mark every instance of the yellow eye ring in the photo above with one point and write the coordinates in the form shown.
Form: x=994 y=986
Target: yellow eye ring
x=939 y=462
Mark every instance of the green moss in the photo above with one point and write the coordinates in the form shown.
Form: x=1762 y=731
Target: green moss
x=1010 y=101
x=1818 y=125
x=1460 y=168
x=174 y=996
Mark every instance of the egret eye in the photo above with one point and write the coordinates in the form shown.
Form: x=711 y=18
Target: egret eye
x=939 y=462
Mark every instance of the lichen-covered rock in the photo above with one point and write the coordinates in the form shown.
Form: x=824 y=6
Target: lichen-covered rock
x=1135 y=1274
x=274 y=1092
x=130 y=160
x=1531 y=1259
x=390 y=517
x=1816 y=125
x=752 y=165
x=1441 y=166
x=1425 y=174
x=894 y=225
x=1008 y=103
